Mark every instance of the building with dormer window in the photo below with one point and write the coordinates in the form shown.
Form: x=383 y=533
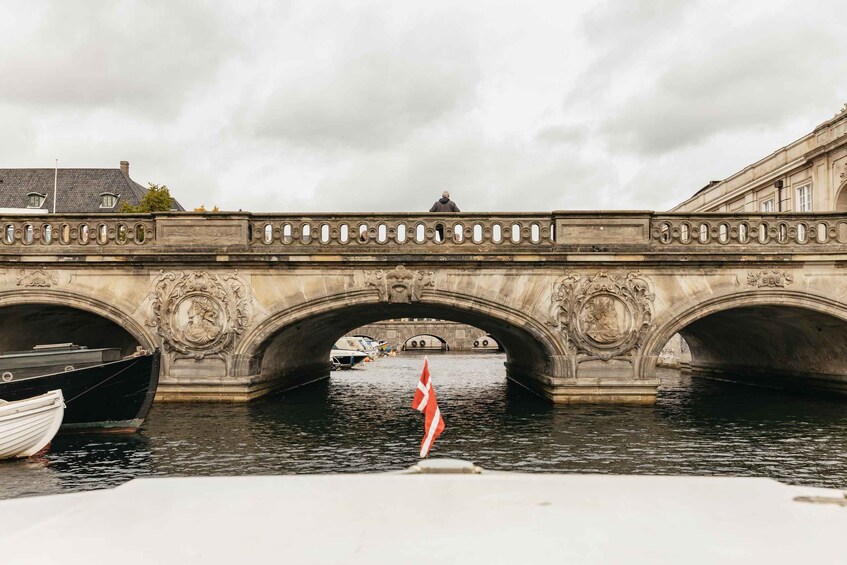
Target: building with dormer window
x=77 y=190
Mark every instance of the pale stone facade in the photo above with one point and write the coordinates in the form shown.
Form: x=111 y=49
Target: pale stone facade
x=808 y=175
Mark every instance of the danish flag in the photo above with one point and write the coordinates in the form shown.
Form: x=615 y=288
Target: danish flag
x=425 y=402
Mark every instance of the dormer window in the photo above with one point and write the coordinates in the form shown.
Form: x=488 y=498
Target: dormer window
x=35 y=200
x=108 y=200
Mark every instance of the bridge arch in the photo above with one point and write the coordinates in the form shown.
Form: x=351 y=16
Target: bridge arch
x=45 y=315
x=293 y=345
x=428 y=340
x=778 y=338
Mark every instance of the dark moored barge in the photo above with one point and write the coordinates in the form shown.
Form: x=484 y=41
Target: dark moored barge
x=103 y=392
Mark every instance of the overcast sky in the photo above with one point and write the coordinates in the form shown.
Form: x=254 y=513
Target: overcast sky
x=379 y=106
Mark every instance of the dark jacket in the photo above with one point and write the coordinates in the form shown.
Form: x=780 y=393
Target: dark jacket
x=444 y=205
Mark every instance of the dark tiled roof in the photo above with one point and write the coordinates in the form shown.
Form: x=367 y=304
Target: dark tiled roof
x=78 y=190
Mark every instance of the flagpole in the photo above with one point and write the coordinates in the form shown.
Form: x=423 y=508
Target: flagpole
x=55 y=184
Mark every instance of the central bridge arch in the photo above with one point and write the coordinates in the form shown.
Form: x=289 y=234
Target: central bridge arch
x=775 y=338
x=292 y=346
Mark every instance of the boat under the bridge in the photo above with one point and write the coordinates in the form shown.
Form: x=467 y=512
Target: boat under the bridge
x=103 y=392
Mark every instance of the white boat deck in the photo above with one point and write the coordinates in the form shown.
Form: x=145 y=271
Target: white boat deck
x=433 y=519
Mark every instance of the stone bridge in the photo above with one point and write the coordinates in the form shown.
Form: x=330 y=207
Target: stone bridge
x=245 y=304
x=448 y=336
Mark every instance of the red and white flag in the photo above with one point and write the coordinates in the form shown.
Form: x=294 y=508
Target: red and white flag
x=425 y=402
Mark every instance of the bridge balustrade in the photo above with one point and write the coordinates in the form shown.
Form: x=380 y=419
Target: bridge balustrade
x=78 y=230
x=404 y=230
x=592 y=231
x=747 y=230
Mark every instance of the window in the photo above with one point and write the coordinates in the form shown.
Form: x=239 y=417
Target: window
x=804 y=198
x=108 y=200
x=35 y=200
x=767 y=206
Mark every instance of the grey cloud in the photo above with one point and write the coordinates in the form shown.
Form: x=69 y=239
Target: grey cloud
x=620 y=33
x=481 y=176
x=566 y=135
x=135 y=56
x=752 y=82
x=380 y=84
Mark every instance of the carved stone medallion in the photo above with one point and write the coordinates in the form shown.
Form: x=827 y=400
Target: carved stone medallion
x=199 y=314
x=400 y=285
x=769 y=278
x=604 y=315
x=39 y=278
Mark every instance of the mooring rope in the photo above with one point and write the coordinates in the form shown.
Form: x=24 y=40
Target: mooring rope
x=86 y=391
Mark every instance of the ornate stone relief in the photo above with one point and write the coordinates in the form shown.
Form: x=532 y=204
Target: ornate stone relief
x=39 y=278
x=400 y=285
x=605 y=315
x=199 y=314
x=769 y=278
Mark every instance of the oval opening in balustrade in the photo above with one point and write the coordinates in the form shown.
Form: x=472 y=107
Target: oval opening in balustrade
x=420 y=233
x=65 y=234
x=821 y=232
x=801 y=233
x=9 y=234
x=535 y=233
x=704 y=233
x=496 y=233
x=344 y=233
x=439 y=232
x=763 y=233
x=516 y=233
x=477 y=233
x=665 y=233
x=743 y=232
x=458 y=233
x=46 y=234
x=120 y=234
x=102 y=234
x=381 y=233
x=685 y=233
x=723 y=233
x=84 y=234
x=782 y=233
x=306 y=233
x=287 y=236
x=28 y=237
x=267 y=234
x=363 y=233
x=140 y=234
x=401 y=233
x=324 y=233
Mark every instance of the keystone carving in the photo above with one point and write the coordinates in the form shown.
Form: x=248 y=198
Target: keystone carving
x=400 y=285
x=605 y=315
x=199 y=314
x=39 y=278
x=769 y=278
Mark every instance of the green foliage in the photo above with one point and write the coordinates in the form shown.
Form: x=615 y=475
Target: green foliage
x=157 y=199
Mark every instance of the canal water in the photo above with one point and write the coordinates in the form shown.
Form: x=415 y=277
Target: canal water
x=361 y=421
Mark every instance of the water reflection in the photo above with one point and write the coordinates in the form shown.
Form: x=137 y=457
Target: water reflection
x=360 y=421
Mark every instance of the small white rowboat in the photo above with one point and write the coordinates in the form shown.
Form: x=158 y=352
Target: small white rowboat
x=27 y=426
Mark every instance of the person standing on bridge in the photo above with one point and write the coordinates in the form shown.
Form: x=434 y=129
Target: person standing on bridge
x=443 y=204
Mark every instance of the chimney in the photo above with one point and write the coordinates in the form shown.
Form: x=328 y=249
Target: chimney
x=125 y=167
